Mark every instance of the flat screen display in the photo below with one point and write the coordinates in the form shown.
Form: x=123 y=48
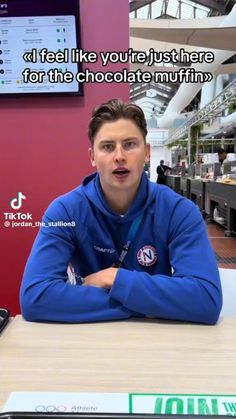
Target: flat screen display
x=27 y=27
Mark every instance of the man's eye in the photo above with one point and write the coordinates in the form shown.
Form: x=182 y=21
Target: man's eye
x=108 y=147
x=129 y=145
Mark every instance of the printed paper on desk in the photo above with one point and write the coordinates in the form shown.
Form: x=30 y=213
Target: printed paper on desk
x=67 y=402
x=183 y=404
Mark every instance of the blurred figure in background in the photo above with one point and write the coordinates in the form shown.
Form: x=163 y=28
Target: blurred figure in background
x=161 y=172
x=222 y=155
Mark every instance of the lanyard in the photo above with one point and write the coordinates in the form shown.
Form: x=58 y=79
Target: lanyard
x=131 y=234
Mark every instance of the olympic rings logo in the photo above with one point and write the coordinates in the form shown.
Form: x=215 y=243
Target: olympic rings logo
x=50 y=408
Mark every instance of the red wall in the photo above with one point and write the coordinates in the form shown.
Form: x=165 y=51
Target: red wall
x=43 y=144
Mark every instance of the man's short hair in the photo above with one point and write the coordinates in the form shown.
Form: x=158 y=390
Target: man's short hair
x=221 y=151
x=161 y=161
x=112 y=111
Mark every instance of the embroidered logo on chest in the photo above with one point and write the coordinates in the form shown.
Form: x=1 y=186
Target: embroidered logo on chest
x=147 y=255
x=103 y=249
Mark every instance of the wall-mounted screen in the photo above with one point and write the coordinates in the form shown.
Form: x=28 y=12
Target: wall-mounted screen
x=36 y=40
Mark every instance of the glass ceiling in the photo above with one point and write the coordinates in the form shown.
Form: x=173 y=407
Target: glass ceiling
x=153 y=95
x=185 y=9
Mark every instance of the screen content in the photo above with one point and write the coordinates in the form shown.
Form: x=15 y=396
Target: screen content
x=36 y=44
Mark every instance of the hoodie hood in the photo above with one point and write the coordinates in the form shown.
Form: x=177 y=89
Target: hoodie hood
x=91 y=187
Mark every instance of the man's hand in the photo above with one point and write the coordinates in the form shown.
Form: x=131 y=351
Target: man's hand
x=101 y=279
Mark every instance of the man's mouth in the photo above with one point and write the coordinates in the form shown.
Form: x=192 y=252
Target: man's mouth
x=121 y=172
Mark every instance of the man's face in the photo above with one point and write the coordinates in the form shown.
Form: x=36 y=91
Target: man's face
x=222 y=156
x=119 y=153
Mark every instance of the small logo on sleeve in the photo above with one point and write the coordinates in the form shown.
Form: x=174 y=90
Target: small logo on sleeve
x=147 y=255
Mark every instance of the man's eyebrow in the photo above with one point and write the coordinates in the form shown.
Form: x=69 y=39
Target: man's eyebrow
x=106 y=141
x=114 y=141
x=130 y=139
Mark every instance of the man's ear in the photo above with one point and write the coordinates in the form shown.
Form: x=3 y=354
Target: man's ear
x=91 y=156
x=147 y=156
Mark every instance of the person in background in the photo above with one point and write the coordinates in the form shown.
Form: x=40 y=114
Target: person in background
x=119 y=246
x=161 y=172
x=147 y=169
x=222 y=155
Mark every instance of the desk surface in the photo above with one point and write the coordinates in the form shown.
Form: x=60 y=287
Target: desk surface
x=131 y=356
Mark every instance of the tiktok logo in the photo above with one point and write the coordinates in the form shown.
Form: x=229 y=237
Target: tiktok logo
x=16 y=203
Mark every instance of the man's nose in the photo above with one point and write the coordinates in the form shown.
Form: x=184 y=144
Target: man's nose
x=119 y=154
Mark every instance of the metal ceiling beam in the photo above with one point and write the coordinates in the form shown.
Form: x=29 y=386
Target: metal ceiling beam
x=215 y=5
x=211 y=110
x=211 y=4
x=137 y=4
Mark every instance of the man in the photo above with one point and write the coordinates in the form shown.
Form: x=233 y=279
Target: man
x=222 y=155
x=161 y=172
x=135 y=248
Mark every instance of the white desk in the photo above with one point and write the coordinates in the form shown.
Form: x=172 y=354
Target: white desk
x=130 y=356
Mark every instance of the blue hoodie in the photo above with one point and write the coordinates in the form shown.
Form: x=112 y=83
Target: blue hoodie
x=170 y=271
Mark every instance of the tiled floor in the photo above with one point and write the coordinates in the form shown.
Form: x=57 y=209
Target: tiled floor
x=224 y=247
